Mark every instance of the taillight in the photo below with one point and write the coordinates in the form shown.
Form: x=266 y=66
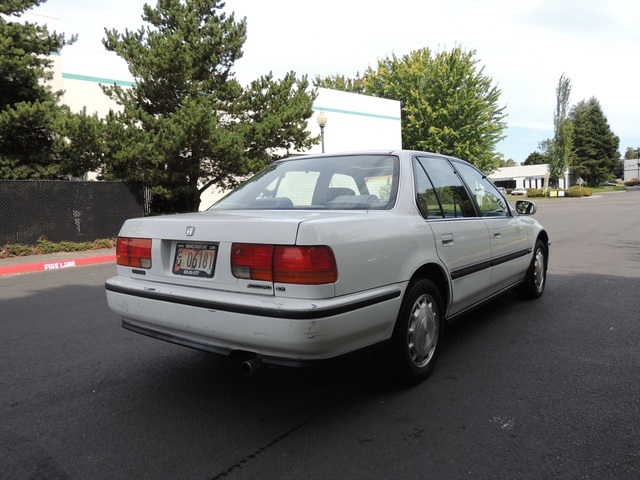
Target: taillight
x=134 y=252
x=304 y=265
x=252 y=261
x=284 y=264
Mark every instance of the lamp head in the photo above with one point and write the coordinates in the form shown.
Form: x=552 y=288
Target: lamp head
x=322 y=119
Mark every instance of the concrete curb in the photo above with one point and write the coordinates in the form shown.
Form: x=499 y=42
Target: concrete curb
x=16 y=265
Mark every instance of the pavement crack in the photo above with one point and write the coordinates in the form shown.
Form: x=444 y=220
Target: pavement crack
x=239 y=464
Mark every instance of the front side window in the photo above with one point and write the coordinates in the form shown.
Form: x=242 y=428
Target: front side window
x=487 y=197
x=448 y=188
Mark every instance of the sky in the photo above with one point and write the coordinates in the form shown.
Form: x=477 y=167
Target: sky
x=524 y=47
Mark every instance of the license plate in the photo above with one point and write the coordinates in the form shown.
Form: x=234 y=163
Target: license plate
x=195 y=259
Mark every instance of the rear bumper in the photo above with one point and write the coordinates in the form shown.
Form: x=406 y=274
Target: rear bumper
x=282 y=331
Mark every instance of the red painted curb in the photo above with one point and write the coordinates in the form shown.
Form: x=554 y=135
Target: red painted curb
x=70 y=263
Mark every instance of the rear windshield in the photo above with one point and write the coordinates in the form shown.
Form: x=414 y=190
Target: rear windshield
x=353 y=182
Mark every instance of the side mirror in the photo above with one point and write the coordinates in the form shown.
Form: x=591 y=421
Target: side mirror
x=525 y=207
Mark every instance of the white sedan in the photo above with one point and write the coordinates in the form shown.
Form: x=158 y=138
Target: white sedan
x=321 y=256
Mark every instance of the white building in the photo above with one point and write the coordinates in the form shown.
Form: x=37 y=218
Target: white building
x=631 y=169
x=527 y=176
x=354 y=122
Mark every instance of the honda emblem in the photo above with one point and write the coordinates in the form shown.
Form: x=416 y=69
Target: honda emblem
x=190 y=231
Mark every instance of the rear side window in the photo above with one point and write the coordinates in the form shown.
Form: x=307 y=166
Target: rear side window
x=448 y=191
x=426 y=197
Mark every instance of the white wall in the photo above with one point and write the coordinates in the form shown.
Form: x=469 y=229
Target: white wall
x=84 y=91
x=527 y=176
x=631 y=169
x=56 y=82
x=356 y=122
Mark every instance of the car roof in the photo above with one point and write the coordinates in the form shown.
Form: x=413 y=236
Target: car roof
x=399 y=152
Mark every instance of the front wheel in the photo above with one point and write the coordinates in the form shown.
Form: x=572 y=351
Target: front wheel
x=536 y=278
x=417 y=336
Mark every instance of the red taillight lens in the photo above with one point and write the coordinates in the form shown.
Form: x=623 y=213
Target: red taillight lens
x=252 y=261
x=134 y=252
x=304 y=265
x=284 y=264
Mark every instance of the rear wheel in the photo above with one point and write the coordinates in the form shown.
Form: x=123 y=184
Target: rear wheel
x=534 y=283
x=417 y=337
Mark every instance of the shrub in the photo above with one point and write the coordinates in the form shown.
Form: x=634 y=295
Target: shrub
x=43 y=245
x=534 y=192
x=576 y=191
x=15 y=250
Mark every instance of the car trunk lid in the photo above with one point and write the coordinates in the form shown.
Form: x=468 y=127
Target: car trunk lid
x=195 y=249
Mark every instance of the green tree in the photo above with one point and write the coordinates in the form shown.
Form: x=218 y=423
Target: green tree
x=510 y=162
x=596 y=155
x=535 y=158
x=341 y=83
x=24 y=59
x=631 y=153
x=32 y=122
x=187 y=123
x=559 y=149
x=449 y=105
x=82 y=148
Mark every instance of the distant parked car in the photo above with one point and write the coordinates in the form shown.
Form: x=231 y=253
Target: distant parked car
x=608 y=184
x=519 y=191
x=632 y=182
x=320 y=256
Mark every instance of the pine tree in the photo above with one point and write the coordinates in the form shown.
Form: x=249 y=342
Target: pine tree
x=596 y=155
x=33 y=125
x=187 y=123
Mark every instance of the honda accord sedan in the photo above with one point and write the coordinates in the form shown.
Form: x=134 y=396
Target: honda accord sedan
x=317 y=257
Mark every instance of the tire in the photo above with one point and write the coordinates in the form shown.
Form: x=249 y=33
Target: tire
x=417 y=336
x=536 y=277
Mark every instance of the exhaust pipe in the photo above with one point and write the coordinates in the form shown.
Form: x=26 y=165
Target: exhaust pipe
x=250 y=366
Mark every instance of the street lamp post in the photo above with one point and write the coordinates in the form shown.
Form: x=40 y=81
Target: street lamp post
x=322 y=121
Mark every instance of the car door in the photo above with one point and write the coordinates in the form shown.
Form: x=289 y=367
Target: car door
x=461 y=236
x=510 y=242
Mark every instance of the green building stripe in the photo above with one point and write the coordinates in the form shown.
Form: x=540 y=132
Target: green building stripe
x=85 y=78
x=362 y=114
x=124 y=83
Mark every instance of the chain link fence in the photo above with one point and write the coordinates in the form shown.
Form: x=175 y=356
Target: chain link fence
x=66 y=210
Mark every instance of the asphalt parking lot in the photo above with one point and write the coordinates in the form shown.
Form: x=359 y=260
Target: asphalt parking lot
x=524 y=390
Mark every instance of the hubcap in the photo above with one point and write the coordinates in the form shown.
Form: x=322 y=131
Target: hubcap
x=423 y=331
